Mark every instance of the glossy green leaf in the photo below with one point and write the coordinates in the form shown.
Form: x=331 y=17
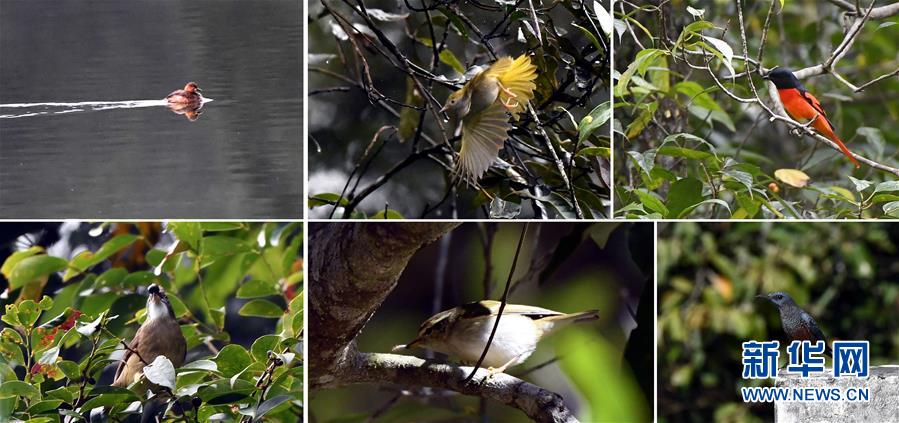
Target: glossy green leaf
x=261 y=308
x=34 y=267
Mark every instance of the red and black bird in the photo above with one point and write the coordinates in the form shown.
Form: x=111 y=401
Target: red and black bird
x=802 y=106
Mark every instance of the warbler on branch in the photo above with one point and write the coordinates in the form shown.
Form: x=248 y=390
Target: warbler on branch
x=481 y=109
x=463 y=332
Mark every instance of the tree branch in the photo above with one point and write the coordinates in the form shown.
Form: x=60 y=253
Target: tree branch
x=539 y=404
x=881 y=12
x=352 y=269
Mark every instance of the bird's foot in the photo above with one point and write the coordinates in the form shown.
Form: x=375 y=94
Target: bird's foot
x=492 y=371
x=511 y=104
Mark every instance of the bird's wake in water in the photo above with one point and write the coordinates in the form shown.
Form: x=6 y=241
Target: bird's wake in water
x=41 y=109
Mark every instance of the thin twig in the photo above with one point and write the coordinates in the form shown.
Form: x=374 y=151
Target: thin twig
x=502 y=306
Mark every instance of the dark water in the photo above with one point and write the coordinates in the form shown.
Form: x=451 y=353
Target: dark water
x=242 y=158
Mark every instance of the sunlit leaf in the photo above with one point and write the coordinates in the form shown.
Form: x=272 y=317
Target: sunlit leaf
x=792 y=177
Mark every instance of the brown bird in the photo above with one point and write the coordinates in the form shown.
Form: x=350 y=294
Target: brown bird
x=159 y=335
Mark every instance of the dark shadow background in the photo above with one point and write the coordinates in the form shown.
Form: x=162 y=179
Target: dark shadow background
x=845 y=275
x=241 y=159
x=604 y=369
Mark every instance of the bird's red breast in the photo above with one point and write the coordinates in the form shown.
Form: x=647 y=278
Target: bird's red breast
x=803 y=106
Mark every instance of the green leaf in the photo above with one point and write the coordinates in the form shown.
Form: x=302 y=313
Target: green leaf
x=651 y=201
x=217 y=246
x=860 y=184
x=205 y=365
x=257 y=288
x=385 y=215
x=891 y=209
x=87 y=259
x=28 y=313
x=10 y=335
x=448 y=58
x=456 y=21
x=641 y=120
x=44 y=406
x=641 y=62
x=690 y=209
x=261 y=308
x=34 y=267
x=271 y=403
x=11 y=317
x=327 y=199
x=11 y=354
x=263 y=345
x=595 y=152
x=107 y=400
x=17 y=388
x=683 y=194
x=16 y=257
x=189 y=232
x=590 y=36
x=227 y=398
x=597 y=117
x=232 y=359
x=70 y=369
x=221 y=226
x=887 y=186
x=688 y=153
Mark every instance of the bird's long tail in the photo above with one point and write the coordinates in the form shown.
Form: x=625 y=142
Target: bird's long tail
x=553 y=323
x=823 y=126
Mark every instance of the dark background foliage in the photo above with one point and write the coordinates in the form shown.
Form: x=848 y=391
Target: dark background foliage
x=845 y=275
x=365 y=170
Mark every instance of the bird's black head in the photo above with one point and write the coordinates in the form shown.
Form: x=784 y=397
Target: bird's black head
x=780 y=299
x=783 y=78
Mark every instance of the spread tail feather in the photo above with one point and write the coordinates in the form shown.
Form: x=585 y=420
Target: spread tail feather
x=516 y=77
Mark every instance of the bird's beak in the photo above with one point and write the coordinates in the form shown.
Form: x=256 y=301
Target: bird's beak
x=443 y=110
x=408 y=346
x=764 y=297
x=198 y=89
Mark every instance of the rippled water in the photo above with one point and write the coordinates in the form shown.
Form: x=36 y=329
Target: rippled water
x=84 y=131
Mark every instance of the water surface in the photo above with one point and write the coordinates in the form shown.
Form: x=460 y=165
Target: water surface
x=101 y=144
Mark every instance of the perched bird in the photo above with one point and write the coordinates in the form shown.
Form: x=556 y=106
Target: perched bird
x=189 y=95
x=481 y=109
x=803 y=106
x=160 y=334
x=463 y=332
x=799 y=325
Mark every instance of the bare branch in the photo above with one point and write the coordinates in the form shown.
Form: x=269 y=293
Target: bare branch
x=881 y=12
x=537 y=403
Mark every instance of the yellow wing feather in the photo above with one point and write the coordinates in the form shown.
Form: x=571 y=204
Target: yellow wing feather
x=483 y=135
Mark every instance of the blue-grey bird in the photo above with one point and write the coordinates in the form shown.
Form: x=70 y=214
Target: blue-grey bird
x=797 y=323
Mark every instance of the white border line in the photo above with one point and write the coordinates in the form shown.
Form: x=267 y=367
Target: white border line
x=655 y=323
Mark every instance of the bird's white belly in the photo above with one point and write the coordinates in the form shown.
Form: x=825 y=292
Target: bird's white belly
x=516 y=338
